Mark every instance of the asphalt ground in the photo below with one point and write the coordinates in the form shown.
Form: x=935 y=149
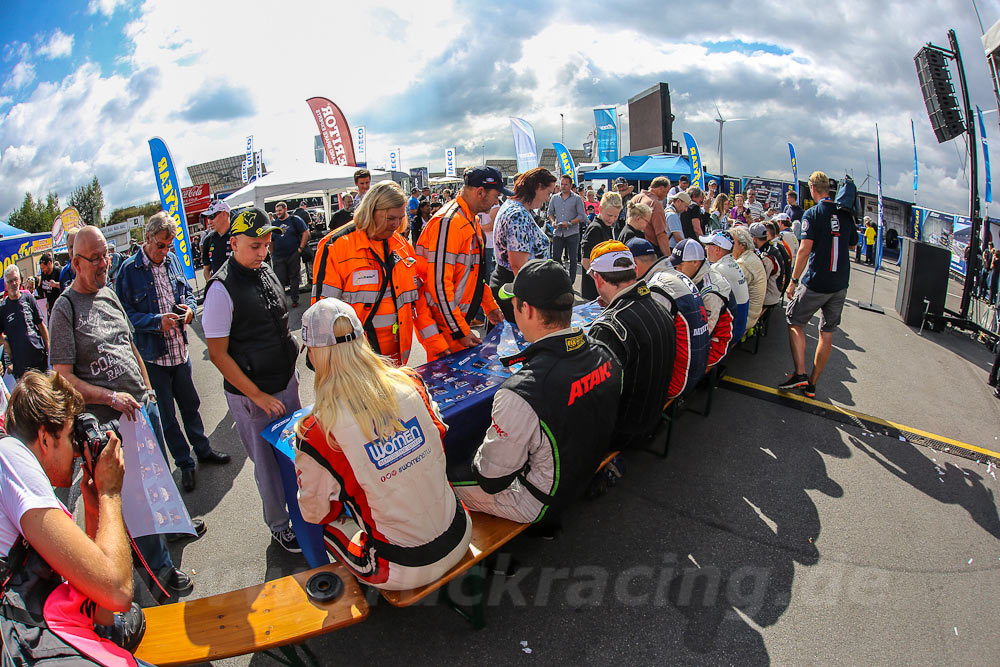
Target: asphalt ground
x=769 y=534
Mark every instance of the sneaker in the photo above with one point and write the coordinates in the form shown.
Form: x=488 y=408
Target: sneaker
x=809 y=390
x=794 y=381
x=286 y=538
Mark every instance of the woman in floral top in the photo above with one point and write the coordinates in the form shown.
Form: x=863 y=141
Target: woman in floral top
x=517 y=237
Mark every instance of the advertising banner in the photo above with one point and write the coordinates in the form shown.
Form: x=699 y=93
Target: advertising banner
x=172 y=201
x=247 y=168
x=337 y=138
x=769 y=193
x=449 y=162
x=694 y=159
x=795 y=170
x=419 y=177
x=67 y=221
x=196 y=198
x=565 y=161
x=394 y=159
x=258 y=164
x=731 y=187
x=881 y=206
x=361 y=150
x=913 y=132
x=606 y=125
x=525 y=149
x=986 y=157
x=15 y=248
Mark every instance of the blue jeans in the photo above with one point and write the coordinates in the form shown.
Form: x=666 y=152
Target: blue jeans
x=174 y=384
x=570 y=246
x=154 y=547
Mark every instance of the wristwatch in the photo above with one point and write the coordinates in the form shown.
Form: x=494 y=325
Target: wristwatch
x=795 y=281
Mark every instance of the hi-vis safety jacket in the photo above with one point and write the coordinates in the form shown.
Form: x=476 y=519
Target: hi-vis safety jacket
x=379 y=280
x=450 y=259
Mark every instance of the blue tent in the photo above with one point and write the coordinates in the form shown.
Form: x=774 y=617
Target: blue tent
x=10 y=230
x=646 y=168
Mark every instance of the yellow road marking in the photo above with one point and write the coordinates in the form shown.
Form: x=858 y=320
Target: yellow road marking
x=860 y=415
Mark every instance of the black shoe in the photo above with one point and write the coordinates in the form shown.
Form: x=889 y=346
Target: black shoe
x=286 y=538
x=199 y=530
x=809 y=390
x=178 y=582
x=794 y=382
x=215 y=456
x=187 y=479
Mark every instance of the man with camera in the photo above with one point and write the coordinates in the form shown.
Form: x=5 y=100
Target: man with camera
x=50 y=564
x=160 y=305
x=92 y=347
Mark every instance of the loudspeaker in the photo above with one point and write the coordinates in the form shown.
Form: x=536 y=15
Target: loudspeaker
x=939 y=94
x=924 y=274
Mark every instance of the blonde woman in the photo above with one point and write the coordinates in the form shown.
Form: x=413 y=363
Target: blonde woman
x=636 y=220
x=720 y=207
x=368 y=264
x=738 y=214
x=372 y=443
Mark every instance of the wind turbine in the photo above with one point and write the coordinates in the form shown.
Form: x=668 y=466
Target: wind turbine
x=721 y=121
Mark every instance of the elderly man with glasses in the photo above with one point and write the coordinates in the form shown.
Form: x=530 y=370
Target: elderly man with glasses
x=160 y=304
x=92 y=347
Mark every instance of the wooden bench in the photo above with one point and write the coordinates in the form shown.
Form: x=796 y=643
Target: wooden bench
x=275 y=614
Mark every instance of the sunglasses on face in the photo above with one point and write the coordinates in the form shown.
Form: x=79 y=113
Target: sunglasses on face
x=161 y=245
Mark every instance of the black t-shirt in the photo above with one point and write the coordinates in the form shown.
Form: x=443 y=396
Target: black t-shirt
x=19 y=320
x=687 y=221
x=215 y=250
x=48 y=285
x=628 y=233
x=595 y=233
x=340 y=218
x=832 y=233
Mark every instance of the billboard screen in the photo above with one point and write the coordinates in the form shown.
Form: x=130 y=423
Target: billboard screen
x=650 y=121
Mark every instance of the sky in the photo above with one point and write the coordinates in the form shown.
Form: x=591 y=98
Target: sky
x=84 y=85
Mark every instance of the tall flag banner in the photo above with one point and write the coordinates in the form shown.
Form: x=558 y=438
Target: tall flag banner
x=524 y=144
x=258 y=164
x=565 y=161
x=986 y=157
x=795 y=170
x=394 y=159
x=248 y=160
x=606 y=124
x=588 y=144
x=171 y=201
x=913 y=132
x=881 y=209
x=449 y=163
x=361 y=149
x=335 y=131
x=694 y=160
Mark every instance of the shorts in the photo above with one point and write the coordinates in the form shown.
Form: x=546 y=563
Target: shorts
x=805 y=303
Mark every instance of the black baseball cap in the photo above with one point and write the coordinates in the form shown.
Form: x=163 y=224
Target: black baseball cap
x=541 y=282
x=486 y=177
x=620 y=181
x=252 y=222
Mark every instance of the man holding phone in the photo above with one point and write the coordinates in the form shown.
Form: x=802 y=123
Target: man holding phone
x=160 y=304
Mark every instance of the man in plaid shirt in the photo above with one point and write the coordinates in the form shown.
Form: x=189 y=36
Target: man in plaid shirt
x=160 y=304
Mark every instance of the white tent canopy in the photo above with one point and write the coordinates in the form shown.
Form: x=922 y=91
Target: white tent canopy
x=313 y=179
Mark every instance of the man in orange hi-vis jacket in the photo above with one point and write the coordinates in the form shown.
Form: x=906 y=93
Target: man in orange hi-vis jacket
x=368 y=265
x=450 y=259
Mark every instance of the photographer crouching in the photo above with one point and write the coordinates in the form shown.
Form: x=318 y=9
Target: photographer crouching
x=59 y=584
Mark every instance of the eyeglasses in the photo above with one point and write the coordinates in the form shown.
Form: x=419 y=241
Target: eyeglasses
x=94 y=260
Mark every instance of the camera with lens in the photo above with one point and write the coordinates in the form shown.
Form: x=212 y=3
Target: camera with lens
x=90 y=435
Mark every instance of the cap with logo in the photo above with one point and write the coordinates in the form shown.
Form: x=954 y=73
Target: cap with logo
x=216 y=207
x=683 y=196
x=605 y=255
x=486 y=177
x=541 y=283
x=252 y=222
x=722 y=239
x=687 y=250
x=758 y=230
x=640 y=247
x=318 y=321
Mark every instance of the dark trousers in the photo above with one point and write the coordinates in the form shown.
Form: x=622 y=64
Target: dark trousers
x=38 y=360
x=288 y=269
x=870 y=253
x=175 y=384
x=995 y=371
x=501 y=277
x=569 y=246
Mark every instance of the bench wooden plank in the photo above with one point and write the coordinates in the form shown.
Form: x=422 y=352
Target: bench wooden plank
x=257 y=618
x=489 y=533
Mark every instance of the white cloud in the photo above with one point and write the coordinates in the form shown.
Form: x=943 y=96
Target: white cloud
x=106 y=7
x=21 y=75
x=59 y=45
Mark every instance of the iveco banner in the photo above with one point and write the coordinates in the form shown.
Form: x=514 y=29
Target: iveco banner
x=607 y=134
x=334 y=130
x=394 y=159
x=172 y=201
x=524 y=144
x=361 y=150
x=565 y=161
x=694 y=158
x=449 y=162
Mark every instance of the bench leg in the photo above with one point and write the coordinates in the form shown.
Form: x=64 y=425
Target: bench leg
x=476 y=612
x=292 y=658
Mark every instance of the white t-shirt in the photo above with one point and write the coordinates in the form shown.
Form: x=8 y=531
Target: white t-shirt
x=484 y=219
x=23 y=486
x=217 y=312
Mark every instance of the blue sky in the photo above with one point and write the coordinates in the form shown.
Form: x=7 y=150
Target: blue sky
x=83 y=85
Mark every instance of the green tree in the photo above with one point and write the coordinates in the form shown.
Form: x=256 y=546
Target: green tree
x=89 y=201
x=35 y=215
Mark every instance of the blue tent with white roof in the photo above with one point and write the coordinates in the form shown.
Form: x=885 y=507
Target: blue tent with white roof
x=646 y=168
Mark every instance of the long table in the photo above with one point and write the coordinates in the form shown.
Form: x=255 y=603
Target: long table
x=462 y=384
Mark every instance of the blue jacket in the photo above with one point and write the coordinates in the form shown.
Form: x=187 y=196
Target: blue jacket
x=137 y=292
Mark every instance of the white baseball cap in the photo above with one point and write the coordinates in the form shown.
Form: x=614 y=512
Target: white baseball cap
x=318 y=321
